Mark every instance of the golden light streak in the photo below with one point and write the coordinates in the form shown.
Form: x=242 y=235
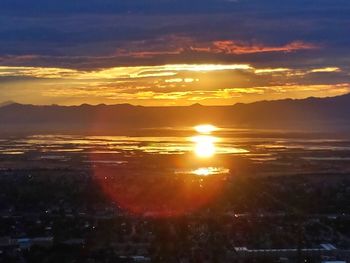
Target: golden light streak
x=270 y=70
x=178 y=80
x=327 y=69
x=132 y=72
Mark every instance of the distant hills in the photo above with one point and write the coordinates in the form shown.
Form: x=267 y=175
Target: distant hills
x=5 y=103
x=311 y=114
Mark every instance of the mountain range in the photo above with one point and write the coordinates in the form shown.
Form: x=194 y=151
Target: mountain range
x=310 y=114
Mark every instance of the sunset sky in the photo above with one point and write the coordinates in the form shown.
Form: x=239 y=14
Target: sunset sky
x=172 y=52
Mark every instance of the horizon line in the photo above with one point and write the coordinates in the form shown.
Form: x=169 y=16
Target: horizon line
x=8 y=103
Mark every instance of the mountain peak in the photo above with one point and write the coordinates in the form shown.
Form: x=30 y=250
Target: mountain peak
x=196 y=105
x=6 y=103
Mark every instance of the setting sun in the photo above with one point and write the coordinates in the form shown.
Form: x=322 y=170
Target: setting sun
x=205 y=128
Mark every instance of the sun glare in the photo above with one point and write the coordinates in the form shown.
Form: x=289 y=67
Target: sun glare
x=202 y=171
x=204 y=146
x=206 y=171
x=205 y=128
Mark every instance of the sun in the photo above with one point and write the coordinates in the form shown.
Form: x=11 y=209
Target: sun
x=205 y=128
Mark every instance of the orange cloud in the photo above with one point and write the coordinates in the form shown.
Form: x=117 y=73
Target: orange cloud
x=175 y=45
x=325 y=70
x=238 y=48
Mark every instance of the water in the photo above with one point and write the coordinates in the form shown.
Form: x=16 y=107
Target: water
x=172 y=171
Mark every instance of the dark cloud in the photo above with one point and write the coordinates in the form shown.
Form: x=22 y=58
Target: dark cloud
x=99 y=27
x=42 y=7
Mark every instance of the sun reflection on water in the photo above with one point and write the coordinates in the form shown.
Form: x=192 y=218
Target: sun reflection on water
x=205 y=148
x=206 y=171
x=204 y=145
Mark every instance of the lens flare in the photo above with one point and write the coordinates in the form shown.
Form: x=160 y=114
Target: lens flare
x=145 y=190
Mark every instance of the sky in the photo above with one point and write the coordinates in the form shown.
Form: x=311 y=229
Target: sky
x=172 y=52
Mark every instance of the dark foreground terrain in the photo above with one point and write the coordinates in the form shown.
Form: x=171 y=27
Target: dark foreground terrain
x=128 y=199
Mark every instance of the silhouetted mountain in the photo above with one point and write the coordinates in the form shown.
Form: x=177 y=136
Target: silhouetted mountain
x=321 y=114
x=5 y=103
